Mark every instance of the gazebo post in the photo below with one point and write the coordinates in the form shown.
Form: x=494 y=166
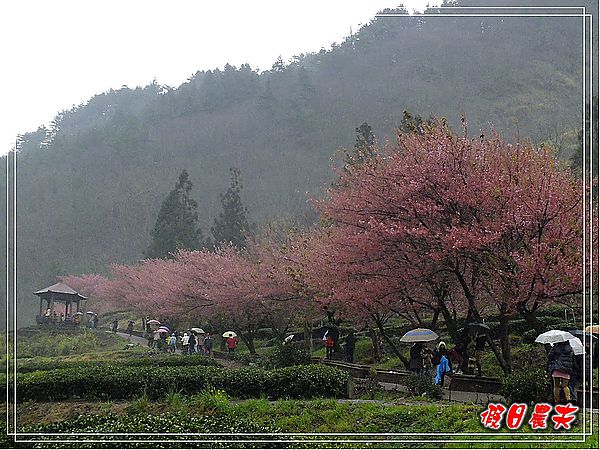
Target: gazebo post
x=41 y=306
x=78 y=305
x=51 y=305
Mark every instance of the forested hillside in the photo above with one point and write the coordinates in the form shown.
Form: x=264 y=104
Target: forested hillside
x=89 y=188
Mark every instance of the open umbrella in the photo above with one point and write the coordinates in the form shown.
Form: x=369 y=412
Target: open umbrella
x=289 y=338
x=554 y=337
x=91 y=312
x=595 y=329
x=577 y=346
x=229 y=334
x=478 y=326
x=154 y=322
x=197 y=330
x=419 y=335
x=588 y=336
x=79 y=313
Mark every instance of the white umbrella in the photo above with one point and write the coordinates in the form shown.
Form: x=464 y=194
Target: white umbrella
x=79 y=313
x=229 y=334
x=289 y=338
x=577 y=346
x=197 y=330
x=90 y=312
x=419 y=335
x=554 y=337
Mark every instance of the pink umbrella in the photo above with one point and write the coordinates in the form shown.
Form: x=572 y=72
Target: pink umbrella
x=154 y=322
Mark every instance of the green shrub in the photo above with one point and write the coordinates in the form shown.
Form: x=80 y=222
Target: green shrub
x=131 y=361
x=529 y=386
x=212 y=400
x=114 y=382
x=316 y=381
x=164 y=423
x=290 y=354
x=421 y=385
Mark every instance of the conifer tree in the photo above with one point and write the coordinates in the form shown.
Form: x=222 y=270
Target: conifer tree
x=232 y=226
x=177 y=223
x=364 y=148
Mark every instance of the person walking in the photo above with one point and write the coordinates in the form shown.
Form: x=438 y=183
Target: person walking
x=231 y=345
x=208 y=345
x=192 y=344
x=349 y=346
x=480 y=342
x=443 y=366
x=329 y=343
x=185 y=341
x=560 y=368
x=173 y=344
x=150 y=338
x=576 y=376
x=115 y=325
x=130 y=328
x=156 y=344
x=427 y=361
x=415 y=365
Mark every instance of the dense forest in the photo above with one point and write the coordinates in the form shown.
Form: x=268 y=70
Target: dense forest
x=90 y=186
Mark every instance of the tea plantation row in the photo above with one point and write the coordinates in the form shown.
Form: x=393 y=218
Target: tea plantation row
x=131 y=361
x=118 y=382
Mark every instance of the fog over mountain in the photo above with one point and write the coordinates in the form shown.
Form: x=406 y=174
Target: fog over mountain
x=90 y=187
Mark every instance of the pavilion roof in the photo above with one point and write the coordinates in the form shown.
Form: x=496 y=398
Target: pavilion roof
x=60 y=288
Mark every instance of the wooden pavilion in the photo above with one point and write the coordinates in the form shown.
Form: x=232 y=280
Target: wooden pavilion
x=59 y=293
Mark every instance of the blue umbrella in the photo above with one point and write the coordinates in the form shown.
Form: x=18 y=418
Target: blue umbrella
x=419 y=335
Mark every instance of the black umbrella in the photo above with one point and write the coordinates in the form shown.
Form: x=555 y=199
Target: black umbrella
x=588 y=336
x=479 y=326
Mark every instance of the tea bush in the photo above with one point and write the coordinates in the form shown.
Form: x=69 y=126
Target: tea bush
x=530 y=386
x=118 y=382
x=290 y=354
x=420 y=385
x=133 y=361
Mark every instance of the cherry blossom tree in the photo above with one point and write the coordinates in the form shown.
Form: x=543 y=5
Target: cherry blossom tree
x=473 y=223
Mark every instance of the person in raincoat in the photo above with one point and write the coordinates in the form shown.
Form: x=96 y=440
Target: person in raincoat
x=443 y=366
x=185 y=341
x=560 y=368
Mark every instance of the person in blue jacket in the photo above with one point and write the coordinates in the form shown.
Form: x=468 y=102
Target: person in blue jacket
x=443 y=366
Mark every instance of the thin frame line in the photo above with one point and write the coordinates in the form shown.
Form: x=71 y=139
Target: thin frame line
x=379 y=15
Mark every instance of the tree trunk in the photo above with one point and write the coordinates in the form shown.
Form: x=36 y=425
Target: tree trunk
x=308 y=343
x=450 y=321
x=531 y=319
x=248 y=339
x=392 y=345
x=434 y=319
x=375 y=343
x=504 y=340
x=498 y=355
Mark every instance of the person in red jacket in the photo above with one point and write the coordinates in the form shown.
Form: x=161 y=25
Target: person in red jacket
x=329 y=346
x=231 y=344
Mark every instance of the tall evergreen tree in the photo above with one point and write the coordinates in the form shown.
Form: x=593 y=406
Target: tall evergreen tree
x=232 y=225
x=591 y=147
x=177 y=223
x=364 y=147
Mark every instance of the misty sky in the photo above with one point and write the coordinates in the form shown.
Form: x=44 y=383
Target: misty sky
x=59 y=53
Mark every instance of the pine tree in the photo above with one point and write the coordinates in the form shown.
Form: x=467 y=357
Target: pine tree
x=232 y=225
x=364 y=148
x=177 y=223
